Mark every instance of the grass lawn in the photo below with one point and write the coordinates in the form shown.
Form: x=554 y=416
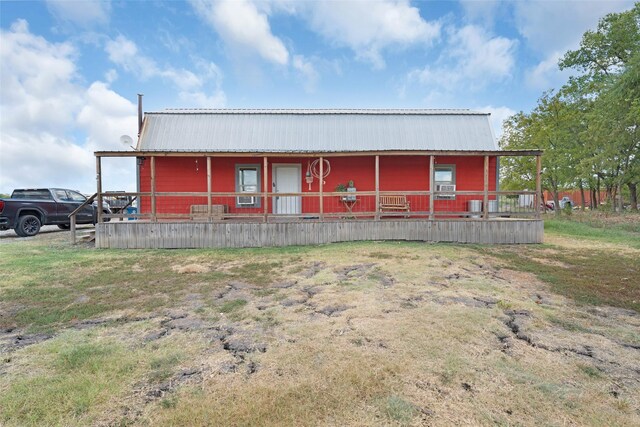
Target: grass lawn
x=370 y=333
x=592 y=258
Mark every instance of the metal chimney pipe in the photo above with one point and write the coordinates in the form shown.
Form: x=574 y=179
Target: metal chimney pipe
x=140 y=95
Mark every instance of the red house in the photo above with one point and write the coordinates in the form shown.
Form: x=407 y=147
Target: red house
x=319 y=171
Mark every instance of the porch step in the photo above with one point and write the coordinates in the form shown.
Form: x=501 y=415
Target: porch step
x=86 y=235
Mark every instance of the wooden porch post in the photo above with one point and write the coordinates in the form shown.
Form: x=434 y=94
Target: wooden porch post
x=209 y=188
x=431 y=185
x=537 y=199
x=154 y=217
x=377 y=188
x=99 y=186
x=265 y=188
x=485 y=202
x=321 y=178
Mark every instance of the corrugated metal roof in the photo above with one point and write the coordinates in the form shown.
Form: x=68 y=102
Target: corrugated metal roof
x=316 y=130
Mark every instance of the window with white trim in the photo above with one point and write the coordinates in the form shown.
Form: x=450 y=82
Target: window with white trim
x=444 y=178
x=248 y=181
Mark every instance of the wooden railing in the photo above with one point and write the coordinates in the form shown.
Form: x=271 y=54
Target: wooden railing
x=72 y=216
x=217 y=206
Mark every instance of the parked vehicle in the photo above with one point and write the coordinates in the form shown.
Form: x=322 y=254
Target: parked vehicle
x=565 y=201
x=118 y=203
x=562 y=203
x=29 y=209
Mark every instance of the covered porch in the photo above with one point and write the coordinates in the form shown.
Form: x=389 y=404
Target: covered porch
x=392 y=196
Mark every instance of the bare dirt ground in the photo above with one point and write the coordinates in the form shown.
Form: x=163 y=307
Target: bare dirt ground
x=350 y=334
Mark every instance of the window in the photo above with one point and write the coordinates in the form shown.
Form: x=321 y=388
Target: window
x=444 y=178
x=61 y=195
x=248 y=181
x=76 y=197
x=31 y=194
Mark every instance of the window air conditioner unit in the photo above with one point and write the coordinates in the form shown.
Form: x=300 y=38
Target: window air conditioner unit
x=443 y=189
x=246 y=200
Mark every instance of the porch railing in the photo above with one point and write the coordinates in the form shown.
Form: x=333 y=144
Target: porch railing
x=312 y=206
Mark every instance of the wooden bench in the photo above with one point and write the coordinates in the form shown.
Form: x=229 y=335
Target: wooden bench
x=394 y=203
x=199 y=212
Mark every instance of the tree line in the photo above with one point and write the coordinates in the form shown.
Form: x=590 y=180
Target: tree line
x=589 y=128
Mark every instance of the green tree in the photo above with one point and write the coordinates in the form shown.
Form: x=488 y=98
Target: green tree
x=606 y=93
x=517 y=173
x=616 y=119
x=547 y=127
x=606 y=51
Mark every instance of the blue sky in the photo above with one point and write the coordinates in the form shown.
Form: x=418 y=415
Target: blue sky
x=70 y=70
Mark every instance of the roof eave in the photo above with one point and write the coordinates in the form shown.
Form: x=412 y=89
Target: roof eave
x=188 y=153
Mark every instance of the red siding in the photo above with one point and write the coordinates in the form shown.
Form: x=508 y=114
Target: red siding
x=397 y=173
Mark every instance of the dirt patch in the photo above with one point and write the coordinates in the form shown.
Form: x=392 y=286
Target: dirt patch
x=161 y=390
x=618 y=359
x=11 y=341
x=353 y=271
x=293 y=301
x=313 y=269
x=185 y=324
x=331 y=310
x=476 y=302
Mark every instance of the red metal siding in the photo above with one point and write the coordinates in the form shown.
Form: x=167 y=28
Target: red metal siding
x=397 y=173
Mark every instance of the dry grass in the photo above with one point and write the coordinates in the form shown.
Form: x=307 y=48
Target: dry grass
x=349 y=334
x=190 y=268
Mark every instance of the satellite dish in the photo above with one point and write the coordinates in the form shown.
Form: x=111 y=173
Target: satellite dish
x=126 y=140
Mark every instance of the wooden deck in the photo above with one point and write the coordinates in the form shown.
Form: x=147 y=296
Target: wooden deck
x=172 y=235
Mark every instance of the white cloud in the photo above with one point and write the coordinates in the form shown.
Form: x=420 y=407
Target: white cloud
x=366 y=27
x=370 y=27
x=243 y=27
x=485 y=12
x=498 y=116
x=111 y=76
x=307 y=71
x=552 y=28
x=202 y=88
x=547 y=74
x=50 y=123
x=36 y=80
x=471 y=59
x=105 y=116
x=83 y=13
x=479 y=55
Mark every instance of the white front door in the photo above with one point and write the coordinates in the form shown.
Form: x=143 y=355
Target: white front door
x=287 y=178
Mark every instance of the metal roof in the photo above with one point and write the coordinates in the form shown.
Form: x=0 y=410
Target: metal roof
x=299 y=131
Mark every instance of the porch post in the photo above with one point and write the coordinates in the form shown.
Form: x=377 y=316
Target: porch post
x=154 y=218
x=377 y=187
x=265 y=188
x=321 y=178
x=431 y=185
x=485 y=202
x=537 y=199
x=99 y=186
x=209 y=187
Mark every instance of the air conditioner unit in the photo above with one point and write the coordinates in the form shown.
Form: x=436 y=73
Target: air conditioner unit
x=443 y=189
x=446 y=187
x=246 y=200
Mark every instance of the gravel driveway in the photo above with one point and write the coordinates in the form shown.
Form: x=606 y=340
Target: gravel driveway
x=46 y=232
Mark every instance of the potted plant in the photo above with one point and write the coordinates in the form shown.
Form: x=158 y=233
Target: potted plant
x=349 y=188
